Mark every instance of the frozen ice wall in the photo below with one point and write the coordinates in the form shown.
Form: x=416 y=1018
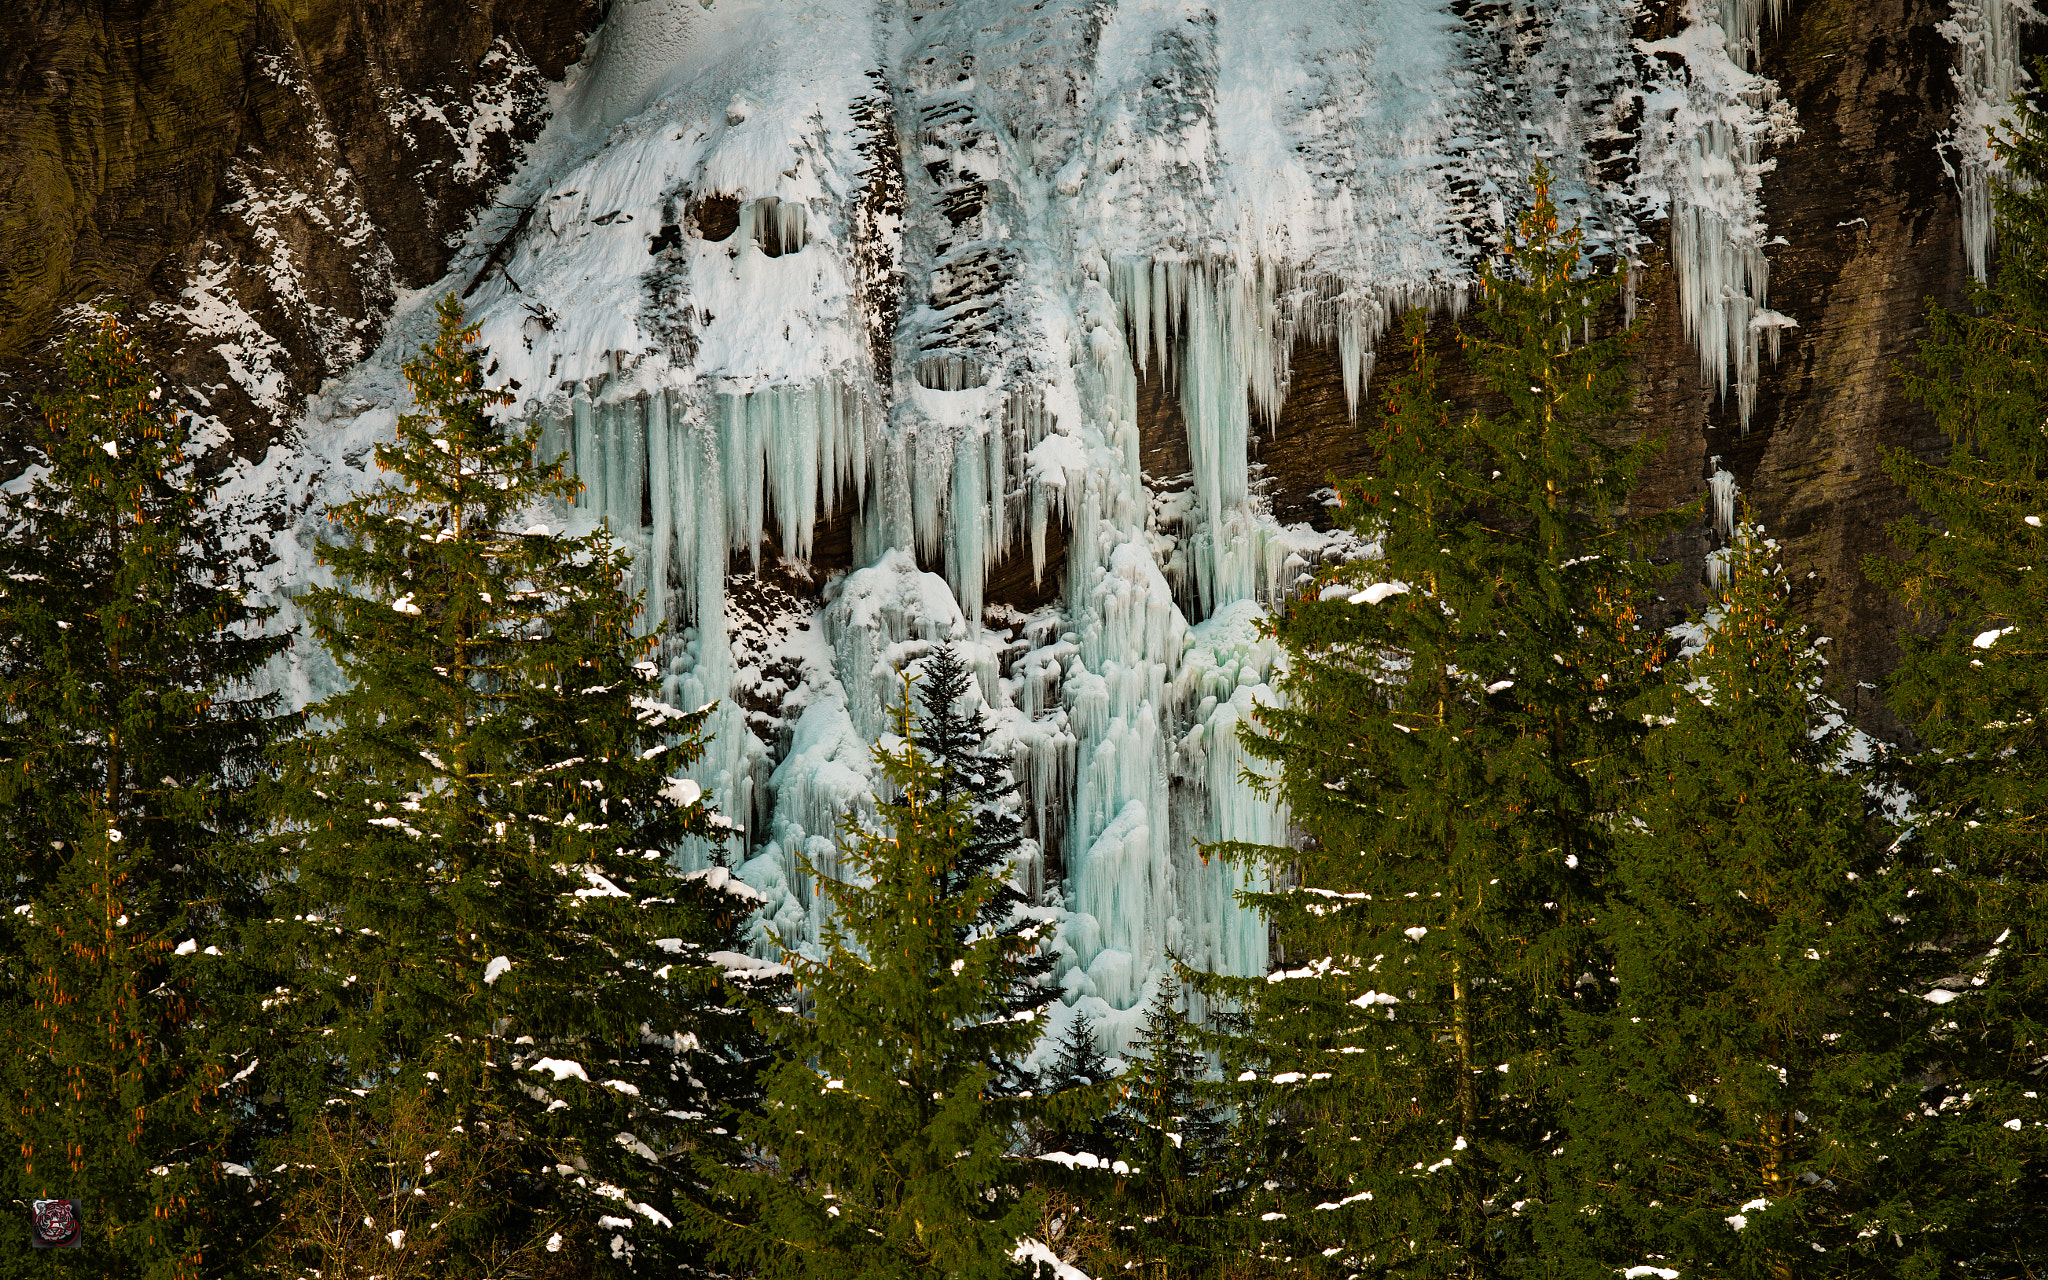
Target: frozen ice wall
x=1708 y=122
x=1988 y=72
x=842 y=310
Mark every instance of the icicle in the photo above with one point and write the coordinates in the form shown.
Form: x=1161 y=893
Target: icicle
x=1214 y=380
x=609 y=451
x=714 y=535
x=1133 y=279
x=627 y=508
x=930 y=475
x=997 y=440
x=586 y=459
x=1717 y=571
x=1356 y=362
x=1987 y=73
x=1721 y=489
x=661 y=534
x=950 y=371
x=1704 y=148
x=681 y=487
x=686 y=483
x=554 y=434
x=1237 y=329
x=1235 y=938
x=623 y=431
x=776 y=226
x=1169 y=283
x=1743 y=22
x=795 y=434
x=891 y=519
x=971 y=549
x=1721 y=495
x=1721 y=284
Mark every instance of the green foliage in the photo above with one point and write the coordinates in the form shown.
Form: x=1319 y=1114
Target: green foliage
x=1750 y=1105
x=1974 y=686
x=893 y=1153
x=1452 y=745
x=127 y=739
x=514 y=1013
x=956 y=743
x=125 y=648
x=1080 y=1073
x=1170 y=1139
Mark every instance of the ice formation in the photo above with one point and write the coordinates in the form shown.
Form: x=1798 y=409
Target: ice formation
x=843 y=311
x=1988 y=72
x=1722 y=493
x=1705 y=129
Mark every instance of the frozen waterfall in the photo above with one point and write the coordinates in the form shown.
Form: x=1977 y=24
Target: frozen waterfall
x=1988 y=72
x=848 y=316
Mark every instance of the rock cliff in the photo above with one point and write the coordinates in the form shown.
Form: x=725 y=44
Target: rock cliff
x=254 y=181
x=259 y=182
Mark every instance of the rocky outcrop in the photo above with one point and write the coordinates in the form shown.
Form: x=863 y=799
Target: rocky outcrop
x=1870 y=231
x=253 y=182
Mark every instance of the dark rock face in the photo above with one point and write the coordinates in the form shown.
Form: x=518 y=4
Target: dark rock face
x=115 y=128
x=1874 y=232
x=253 y=183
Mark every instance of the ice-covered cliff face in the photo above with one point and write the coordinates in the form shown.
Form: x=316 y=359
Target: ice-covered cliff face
x=843 y=311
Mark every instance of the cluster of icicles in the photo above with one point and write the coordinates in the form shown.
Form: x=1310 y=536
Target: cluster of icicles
x=1124 y=712
x=1121 y=708
x=1987 y=74
x=1125 y=738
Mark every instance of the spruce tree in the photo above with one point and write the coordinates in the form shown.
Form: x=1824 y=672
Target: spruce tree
x=1080 y=1062
x=1450 y=741
x=956 y=743
x=1077 y=1142
x=1080 y=1070
x=891 y=1152
x=1170 y=1140
x=1974 y=687
x=129 y=732
x=1082 y=1086
x=514 y=1010
x=1750 y=1106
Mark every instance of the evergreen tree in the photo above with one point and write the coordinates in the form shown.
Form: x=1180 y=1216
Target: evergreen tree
x=1450 y=741
x=1077 y=1142
x=1974 y=687
x=892 y=1154
x=514 y=1008
x=956 y=743
x=128 y=734
x=1080 y=1073
x=1080 y=1063
x=1750 y=1105
x=1170 y=1139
